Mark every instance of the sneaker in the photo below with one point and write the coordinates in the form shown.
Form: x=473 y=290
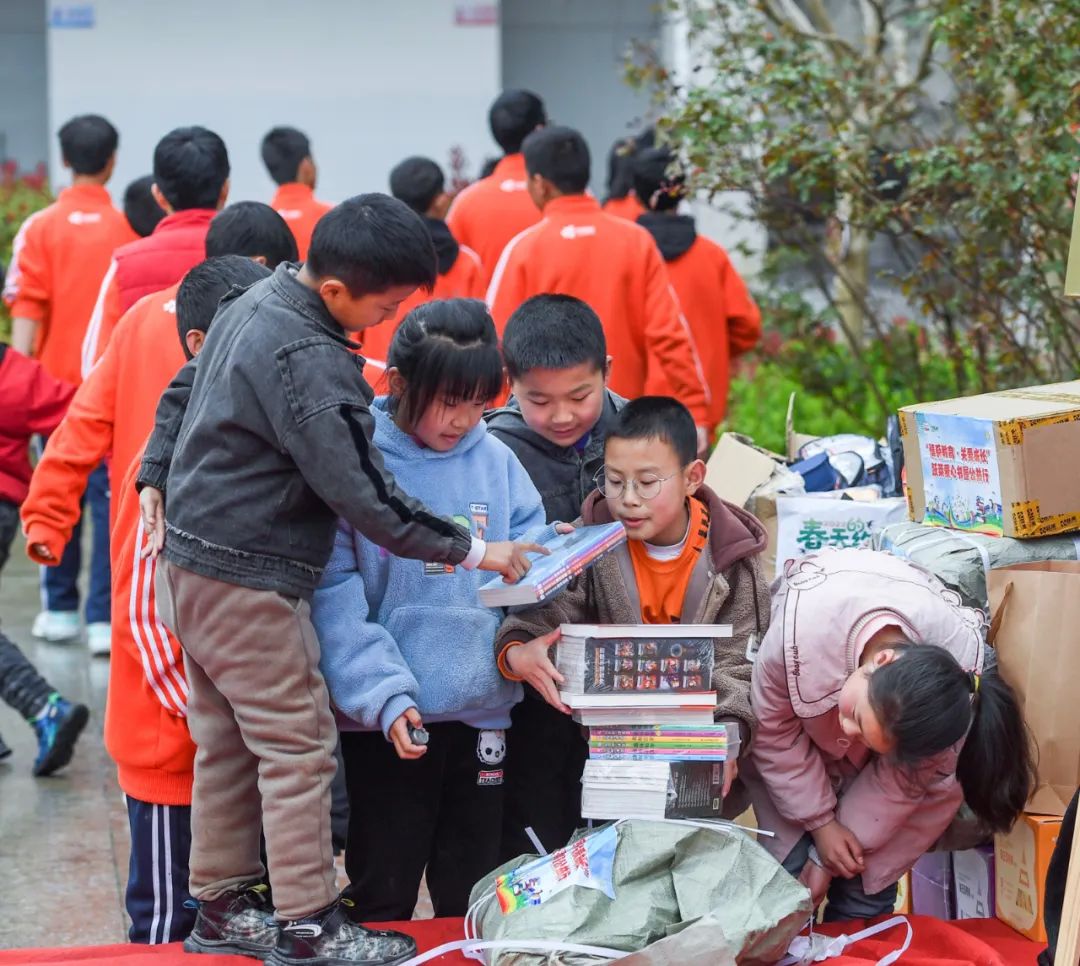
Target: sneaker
x=240 y=922
x=5 y=751
x=56 y=625
x=99 y=639
x=57 y=725
x=330 y=938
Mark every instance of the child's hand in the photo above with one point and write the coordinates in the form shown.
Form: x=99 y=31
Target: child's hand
x=817 y=880
x=41 y=553
x=399 y=735
x=531 y=662
x=839 y=849
x=731 y=772
x=152 y=508
x=508 y=558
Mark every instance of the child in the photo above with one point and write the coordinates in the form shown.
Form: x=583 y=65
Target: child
x=409 y=645
x=622 y=200
x=60 y=256
x=723 y=317
x=31 y=401
x=286 y=152
x=876 y=719
x=491 y=211
x=275 y=443
x=420 y=183
x=140 y=208
x=608 y=262
x=690 y=558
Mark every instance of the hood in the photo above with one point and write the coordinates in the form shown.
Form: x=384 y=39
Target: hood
x=393 y=442
x=446 y=247
x=674 y=234
x=734 y=533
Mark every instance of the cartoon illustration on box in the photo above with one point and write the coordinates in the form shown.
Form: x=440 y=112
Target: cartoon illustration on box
x=960 y=473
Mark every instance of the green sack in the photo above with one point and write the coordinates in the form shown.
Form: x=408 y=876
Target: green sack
x=710 y=887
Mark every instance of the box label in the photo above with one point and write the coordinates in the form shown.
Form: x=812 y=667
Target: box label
x=961 y=483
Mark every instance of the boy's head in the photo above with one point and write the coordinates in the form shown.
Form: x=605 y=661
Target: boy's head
x=659 y=181
x=651 y=469
x=286 y=152
x=420 y=183
x=621 y=162
x=201 y=290
x=513 y=117
x=556 y=357
x=557 y=162
x=88 y=146
x=367 y=256
x=191 y=170
x=141 y=210
x=254 y=230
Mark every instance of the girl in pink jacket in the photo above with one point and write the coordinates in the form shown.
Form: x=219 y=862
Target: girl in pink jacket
x=876 y=719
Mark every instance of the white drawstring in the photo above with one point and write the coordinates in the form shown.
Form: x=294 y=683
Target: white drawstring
x=802 y=948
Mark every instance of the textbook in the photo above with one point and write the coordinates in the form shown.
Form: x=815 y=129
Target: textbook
x=652 y=789
x=596 y=659
x=571 y=554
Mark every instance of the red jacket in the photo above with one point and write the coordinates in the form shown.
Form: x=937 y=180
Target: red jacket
x=143 y=267
x=31 y=401
x=615 y=266
x=297 y=204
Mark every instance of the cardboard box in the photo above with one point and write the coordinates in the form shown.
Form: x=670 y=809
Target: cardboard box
x=973 y=882
x=932 y=886
x=1004 y=463
x=1021 y=858
x=903 y=895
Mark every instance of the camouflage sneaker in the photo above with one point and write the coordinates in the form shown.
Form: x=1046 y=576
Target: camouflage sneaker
x=330 y=938
x=240 y=922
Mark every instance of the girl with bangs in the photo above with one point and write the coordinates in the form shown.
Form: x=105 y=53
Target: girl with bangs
x=408 y=645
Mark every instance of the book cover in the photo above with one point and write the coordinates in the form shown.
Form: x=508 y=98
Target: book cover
x=695 y=790
x=631 y=664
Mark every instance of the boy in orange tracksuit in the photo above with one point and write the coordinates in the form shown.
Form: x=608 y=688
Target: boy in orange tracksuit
x=491 y=211
x=621 y=200
x=723 y=316
x=60 y=256
x=607 y=262
x=286 y=152
x=420 y=183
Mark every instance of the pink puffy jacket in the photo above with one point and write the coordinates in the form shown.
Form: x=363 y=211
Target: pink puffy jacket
x=803 y=771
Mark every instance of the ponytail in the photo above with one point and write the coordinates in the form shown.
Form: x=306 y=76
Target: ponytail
x=926 y=702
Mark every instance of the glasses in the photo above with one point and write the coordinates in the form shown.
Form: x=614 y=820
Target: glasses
x=645 y=489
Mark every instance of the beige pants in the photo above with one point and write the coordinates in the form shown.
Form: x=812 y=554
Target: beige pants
x=260 y=716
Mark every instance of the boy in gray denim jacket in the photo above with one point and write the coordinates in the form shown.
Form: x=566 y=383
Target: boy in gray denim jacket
x=259 y=450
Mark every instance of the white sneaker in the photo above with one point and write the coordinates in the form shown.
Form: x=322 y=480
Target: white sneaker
x=99 y=639
x=56 y=625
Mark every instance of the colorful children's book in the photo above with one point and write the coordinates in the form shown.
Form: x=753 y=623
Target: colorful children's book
x=659 y=743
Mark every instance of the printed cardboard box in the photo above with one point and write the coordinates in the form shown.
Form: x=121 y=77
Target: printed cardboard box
x=932 y=886
x=1004 y=463
x=1021 y=858
x=973 y=882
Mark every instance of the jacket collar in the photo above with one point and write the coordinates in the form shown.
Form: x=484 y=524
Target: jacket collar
x=572 y=206
x=188 y=218
x=305 y=300
x=96 y=193
x=511 y=167
x=291 y=193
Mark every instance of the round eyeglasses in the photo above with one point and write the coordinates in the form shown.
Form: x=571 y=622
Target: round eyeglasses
x=647 y=489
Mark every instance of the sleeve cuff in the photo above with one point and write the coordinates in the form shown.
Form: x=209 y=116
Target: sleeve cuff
x=152 y=473
x=475 y=556
x=820 y=822
x=53 y=540
x=392 y=710
x=504 y=668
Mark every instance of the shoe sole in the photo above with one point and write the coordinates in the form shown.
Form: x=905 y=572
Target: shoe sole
x=195 y=945
x=276 y=959
x=64 y=745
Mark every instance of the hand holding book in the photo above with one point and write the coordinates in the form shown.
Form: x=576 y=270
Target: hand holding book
x=510 y=559
x=531 y=662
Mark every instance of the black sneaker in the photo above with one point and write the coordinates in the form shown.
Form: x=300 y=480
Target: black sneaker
x=330 y=938
x=240 y=922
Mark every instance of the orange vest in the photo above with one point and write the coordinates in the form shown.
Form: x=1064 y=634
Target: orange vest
x=615 y=266
x=491 y=211
x=58 y=259
x=296 y=203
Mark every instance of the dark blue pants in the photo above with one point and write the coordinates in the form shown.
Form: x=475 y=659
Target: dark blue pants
x=158 y=873
x=847 y=900
x=60 y=583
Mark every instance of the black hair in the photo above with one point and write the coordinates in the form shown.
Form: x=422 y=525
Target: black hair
x=488 y=167
x=251 y=228
x=926 y=702
x=141 y=210
x=87 y=142
x=661 y=418
x=418 y=182
x=560 y=155
x=621 y=162
x=447 y=348
x=553 y=332
x=373 y=242
x=205 y=285
x=659 y=181
x=514 y=116
x=283 y=149
x=191 y=166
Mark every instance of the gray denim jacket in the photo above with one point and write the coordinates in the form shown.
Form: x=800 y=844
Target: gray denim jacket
x=264 y=440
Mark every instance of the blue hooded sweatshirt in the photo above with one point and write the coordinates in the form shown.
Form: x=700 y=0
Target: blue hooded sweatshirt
x=399 y=633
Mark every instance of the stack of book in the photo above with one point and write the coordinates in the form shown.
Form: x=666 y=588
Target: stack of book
x=569 y=554
x=645 y=693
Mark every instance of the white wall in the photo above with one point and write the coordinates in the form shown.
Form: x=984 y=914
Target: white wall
x=369 y=81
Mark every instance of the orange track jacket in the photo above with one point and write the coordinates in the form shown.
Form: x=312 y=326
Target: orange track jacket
x=297 y=204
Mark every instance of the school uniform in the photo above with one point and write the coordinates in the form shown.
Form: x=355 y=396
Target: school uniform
x=627 y=207
x=297 y=204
